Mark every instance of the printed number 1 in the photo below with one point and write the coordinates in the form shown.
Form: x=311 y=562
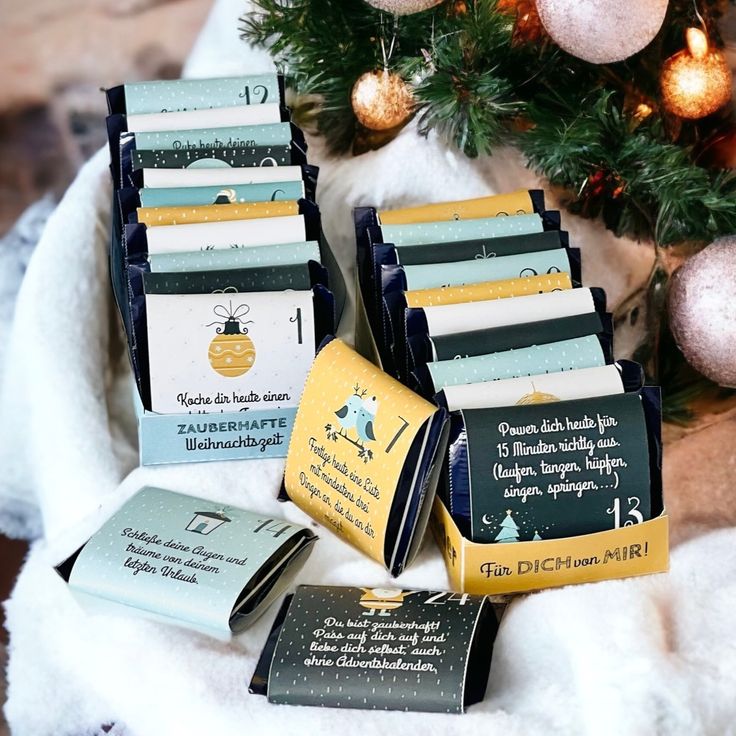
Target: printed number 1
x=298 y=320
x=637 y=516
x=397 y=435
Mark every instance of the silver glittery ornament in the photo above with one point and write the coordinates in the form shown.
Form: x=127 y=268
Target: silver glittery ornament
x=403 y=7
x=702 y=310
x=602 y=31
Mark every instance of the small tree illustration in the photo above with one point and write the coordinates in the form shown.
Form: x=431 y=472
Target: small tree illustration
x=509 y=531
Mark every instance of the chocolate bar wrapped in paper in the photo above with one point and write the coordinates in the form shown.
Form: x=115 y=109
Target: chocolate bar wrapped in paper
x=378 y=649
x=364 y=456
x=193 y=563
x=548 y=469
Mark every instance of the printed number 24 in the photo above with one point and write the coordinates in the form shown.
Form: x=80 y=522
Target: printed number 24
x=636 y=516
x=439 y=599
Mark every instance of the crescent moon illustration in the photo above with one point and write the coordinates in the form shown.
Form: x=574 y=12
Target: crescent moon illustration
x=486 y=520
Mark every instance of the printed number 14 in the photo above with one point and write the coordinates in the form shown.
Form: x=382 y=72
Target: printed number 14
x=636 y=516
x=276 y=528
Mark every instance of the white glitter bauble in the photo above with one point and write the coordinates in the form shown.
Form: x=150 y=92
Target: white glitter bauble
x=602 y=31
x=403 y=7
x=702 y=310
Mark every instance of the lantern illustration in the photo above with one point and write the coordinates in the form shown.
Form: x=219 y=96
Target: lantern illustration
x=231 y=352
x=205 y=522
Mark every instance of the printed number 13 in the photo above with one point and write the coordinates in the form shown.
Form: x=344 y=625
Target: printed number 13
x=636 y=516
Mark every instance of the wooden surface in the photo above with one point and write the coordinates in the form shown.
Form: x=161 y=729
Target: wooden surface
x=12 y=553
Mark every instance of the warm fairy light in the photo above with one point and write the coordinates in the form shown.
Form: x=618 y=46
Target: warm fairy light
x=697 y=43
x=696 y=81
x=643 y=111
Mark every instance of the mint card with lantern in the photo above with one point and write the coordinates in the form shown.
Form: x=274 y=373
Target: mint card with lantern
x=178 y=559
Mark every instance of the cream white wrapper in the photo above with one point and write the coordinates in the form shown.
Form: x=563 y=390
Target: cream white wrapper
x=566 y=386
x=159 y=178
x=227 y=234
x=262 y=367
x=450 y=318
x=221 y=117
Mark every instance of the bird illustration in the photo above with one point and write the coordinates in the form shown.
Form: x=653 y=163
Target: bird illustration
x=347 y=414
x=366 y=417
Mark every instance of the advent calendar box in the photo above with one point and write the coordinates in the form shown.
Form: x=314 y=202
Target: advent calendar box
x=218 y=264
x=552 y=473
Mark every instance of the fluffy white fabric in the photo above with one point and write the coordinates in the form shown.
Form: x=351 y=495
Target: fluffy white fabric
x=640 y=656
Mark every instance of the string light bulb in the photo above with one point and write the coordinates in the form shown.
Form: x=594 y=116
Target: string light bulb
x=696 y=81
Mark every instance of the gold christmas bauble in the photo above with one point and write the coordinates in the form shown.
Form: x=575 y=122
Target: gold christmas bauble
x=231 y=355
x=701 y=299
x=381 y=100
x=403 y=7
x=696 y=81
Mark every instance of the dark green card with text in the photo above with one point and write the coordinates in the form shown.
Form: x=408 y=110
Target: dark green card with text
x=378 y=648
x=556 y=469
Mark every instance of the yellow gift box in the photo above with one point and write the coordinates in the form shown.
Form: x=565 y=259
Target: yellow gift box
x=521 y=567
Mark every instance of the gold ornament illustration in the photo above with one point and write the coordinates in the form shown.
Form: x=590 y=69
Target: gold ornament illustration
x=231 y=352
x=536 y=397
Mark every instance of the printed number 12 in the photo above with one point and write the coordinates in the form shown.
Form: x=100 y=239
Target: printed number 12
x=245 y=94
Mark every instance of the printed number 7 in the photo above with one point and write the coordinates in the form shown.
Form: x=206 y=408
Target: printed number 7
x=397 y=435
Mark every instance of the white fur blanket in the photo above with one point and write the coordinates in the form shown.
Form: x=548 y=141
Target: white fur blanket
x=653 y=655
